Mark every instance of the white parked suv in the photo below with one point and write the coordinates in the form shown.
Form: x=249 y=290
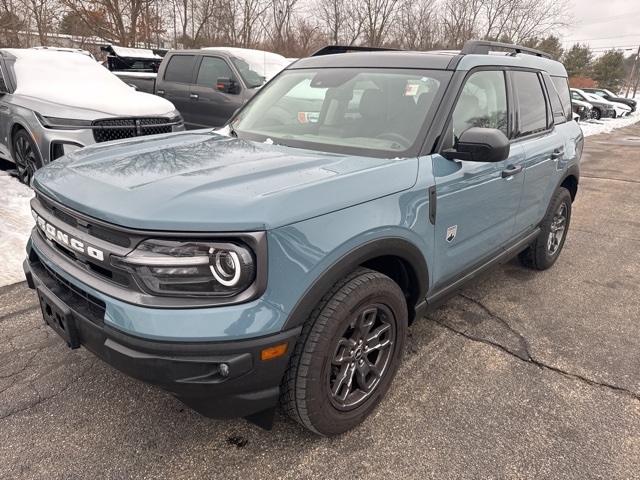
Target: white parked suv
x=54 y=101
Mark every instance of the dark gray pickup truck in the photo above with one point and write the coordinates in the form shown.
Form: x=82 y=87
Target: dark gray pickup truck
x=207 y=86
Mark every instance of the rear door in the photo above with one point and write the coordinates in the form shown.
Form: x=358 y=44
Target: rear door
x=543 y=144
x=477 y=202
x=175 y=84
x=210 y=107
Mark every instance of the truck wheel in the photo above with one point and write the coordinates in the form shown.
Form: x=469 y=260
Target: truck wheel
x=26 y=156
x=553 y=231
x=348 y=353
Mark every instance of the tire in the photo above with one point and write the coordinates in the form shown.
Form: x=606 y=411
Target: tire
x=597 y=114
x=26 y=156
x=614 y=114
x=329 y=386
x=544 y=252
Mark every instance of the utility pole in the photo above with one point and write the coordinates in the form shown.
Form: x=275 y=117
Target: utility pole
x=633 y=73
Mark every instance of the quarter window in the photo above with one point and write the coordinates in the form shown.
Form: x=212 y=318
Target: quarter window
x=482 y=103
x=562 y=87
x=559 y=114
x=180 y=68
x=532 y=111
x=3 y=84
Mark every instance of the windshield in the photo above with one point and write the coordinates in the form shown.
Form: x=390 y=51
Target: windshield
x=372 y=112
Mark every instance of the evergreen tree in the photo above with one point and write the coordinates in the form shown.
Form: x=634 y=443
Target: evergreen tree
x=552 y=46
x=578 y=61
x=609 y=70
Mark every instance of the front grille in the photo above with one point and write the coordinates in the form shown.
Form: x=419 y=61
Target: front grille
x=84 y=303
x=109 y=236
x=100 y=232
x=119 y=128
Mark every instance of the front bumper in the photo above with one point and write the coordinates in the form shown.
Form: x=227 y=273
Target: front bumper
x=191 y=371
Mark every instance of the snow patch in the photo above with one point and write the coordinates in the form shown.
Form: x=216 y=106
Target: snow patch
x=16 y=223
x=607 y=125
x=78 y=81
x=135 y=53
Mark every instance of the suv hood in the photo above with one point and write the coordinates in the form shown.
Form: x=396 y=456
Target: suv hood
x=203 y=181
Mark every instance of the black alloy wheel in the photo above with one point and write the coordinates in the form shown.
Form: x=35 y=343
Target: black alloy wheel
x=348 y=353
x=26 y=156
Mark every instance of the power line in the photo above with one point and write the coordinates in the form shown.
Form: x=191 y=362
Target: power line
x=606 y=19
x=601 y=38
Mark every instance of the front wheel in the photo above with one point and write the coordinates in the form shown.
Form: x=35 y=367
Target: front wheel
x=26 y=156
x=348 y=353
x=553 y=232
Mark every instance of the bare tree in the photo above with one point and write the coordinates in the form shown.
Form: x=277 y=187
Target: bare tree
x=340 y=20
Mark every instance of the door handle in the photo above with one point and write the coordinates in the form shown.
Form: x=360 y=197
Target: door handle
x=510 y=172
x=557 y=153
x=4 y=107
x=160 y=92
x=193 y=95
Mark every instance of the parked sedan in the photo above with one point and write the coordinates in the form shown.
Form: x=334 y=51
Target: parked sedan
x=607 y=95
x=601 y=107
x=584 y=110
x=54 y=102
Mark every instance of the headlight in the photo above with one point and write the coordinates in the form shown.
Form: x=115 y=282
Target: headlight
x=62 y=123
x=194 y=269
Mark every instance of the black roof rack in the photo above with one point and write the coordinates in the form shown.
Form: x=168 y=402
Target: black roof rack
x=333 y=49
x=482 y=47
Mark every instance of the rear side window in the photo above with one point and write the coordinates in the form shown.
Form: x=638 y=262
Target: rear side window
x=562 y=87
x=211 y=69
x=180 y=68
x=559 y=115
x=532 y=111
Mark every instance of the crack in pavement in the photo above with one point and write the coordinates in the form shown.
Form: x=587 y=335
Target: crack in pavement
x=610 y=179
x=531 y=359
x=41 y=398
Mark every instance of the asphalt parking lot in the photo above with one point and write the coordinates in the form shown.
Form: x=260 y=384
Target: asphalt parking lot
x=526 y=375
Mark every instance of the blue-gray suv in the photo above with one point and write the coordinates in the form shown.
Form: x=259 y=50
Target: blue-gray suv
x=284 y=256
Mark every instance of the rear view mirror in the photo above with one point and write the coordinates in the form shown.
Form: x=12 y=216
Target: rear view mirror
x=226 y=85
x=480 y=145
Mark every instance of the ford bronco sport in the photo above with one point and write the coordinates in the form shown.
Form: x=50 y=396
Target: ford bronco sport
x=284 y=256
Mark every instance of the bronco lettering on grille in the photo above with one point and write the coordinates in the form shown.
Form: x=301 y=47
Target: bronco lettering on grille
x=63 y=238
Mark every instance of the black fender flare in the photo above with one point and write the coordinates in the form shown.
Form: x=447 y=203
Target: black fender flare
x=383 y=247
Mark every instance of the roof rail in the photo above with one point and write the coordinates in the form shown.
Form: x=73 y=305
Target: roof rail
x=482 y=47
x=333 y=49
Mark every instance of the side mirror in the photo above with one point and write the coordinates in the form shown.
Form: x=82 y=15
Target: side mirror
x=226 y=85
x=480 y=145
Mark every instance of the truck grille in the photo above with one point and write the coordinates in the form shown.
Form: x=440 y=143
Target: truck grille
x=119 y=128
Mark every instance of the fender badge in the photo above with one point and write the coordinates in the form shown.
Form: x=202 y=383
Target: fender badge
x=451 y=233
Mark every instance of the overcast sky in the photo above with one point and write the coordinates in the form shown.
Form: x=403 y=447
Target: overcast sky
x=617 y=20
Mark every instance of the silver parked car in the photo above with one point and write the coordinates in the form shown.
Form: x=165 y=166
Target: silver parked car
x=55 y=102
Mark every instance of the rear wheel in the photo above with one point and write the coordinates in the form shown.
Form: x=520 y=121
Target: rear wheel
x=349 y=351
x=553 y=232
x=26 y=156
x=597 y=114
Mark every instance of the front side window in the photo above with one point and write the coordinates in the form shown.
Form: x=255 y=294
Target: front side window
x=372 y=112
x=211 y=69
x=532 y=107
x=180 y=68
x=482 y=103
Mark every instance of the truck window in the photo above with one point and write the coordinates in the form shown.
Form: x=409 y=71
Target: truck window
x=180 y=69
x=211 y=69
x=3 y=84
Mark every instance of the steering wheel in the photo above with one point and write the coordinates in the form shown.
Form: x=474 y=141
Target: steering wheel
x=400 y=140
